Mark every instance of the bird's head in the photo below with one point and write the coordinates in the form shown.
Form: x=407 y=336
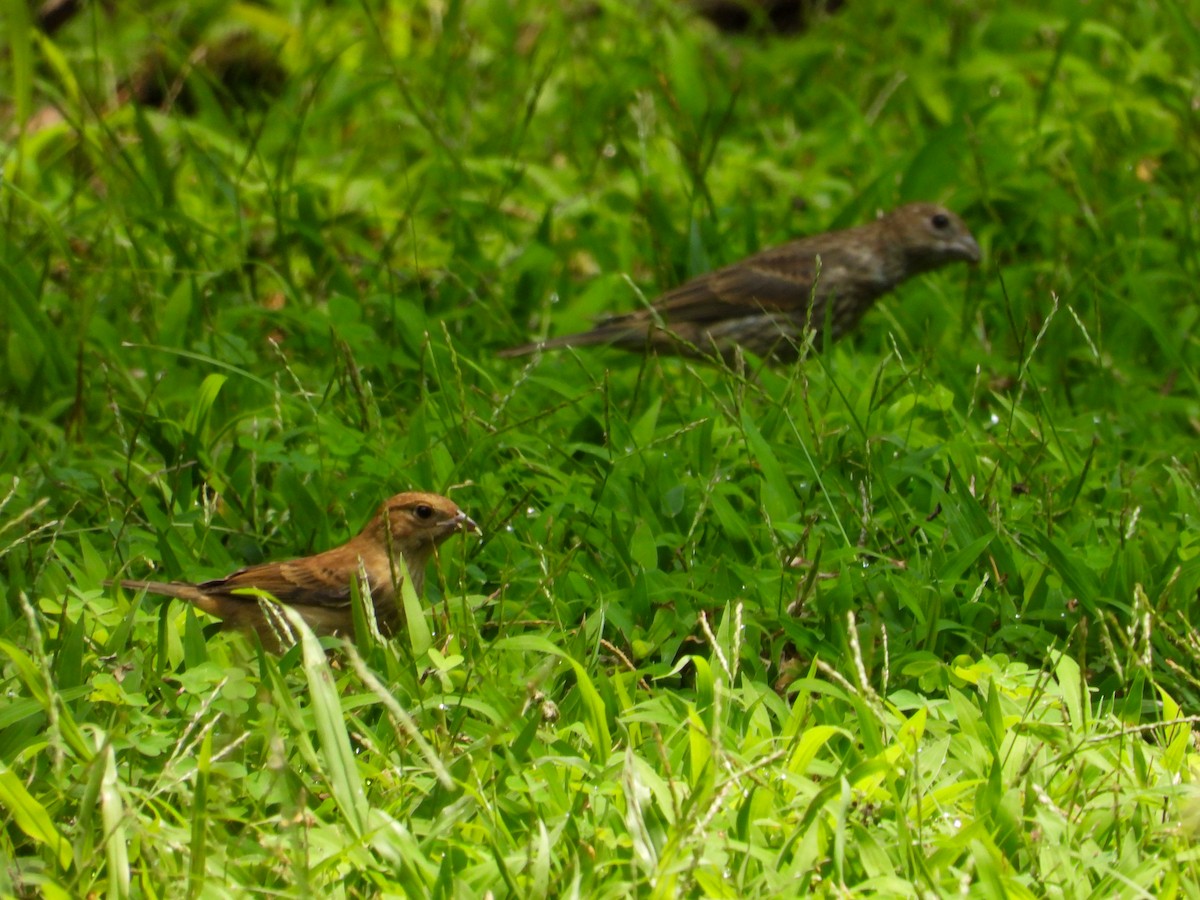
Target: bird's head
x=931 y=236
x=418 y=522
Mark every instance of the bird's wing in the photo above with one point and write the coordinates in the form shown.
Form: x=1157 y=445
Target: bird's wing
x=298 y=583
x=773 y=281
x=735 y=292
x=780 y=279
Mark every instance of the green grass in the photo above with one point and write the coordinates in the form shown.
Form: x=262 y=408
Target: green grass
x=911 y=619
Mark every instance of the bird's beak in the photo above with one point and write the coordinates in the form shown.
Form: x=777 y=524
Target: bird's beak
x=463 y=522
x=968 y=249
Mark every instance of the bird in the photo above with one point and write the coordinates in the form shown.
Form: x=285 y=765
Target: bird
x=769 y=303
x=409 y=526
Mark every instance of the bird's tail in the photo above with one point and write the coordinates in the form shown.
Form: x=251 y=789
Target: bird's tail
x=602 y=334
x=221 y=607
x=163 y=588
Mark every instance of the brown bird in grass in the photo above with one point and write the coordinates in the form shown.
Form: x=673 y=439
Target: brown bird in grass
x=768 y=302
x=408 y=526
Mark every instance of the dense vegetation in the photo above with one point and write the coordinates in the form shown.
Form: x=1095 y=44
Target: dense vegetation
x=912 y=618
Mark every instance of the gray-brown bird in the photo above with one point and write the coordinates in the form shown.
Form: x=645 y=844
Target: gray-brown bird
x=408 y=526
x=769 y=302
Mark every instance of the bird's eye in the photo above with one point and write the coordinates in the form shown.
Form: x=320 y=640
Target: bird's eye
x=940 y=221
x=423 y=511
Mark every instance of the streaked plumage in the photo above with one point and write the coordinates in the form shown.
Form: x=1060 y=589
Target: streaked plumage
x=769 y=301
